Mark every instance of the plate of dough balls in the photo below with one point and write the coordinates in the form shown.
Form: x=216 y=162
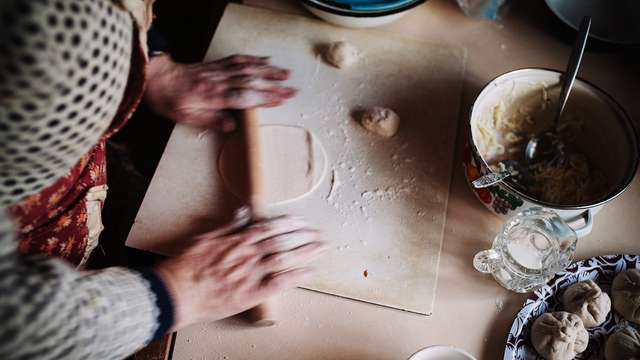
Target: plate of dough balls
x=589 y=311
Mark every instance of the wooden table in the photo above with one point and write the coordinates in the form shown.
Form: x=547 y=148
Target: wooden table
x=471 y=310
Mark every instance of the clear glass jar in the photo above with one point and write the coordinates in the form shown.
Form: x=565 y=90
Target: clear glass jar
x=532 y=247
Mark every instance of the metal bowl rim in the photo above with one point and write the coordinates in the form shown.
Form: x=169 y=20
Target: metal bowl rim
x=361 y=14
x=629 y=123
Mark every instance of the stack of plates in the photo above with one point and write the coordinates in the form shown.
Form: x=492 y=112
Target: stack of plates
x=360 y=13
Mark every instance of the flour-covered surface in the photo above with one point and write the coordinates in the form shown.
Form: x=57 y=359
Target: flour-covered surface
x=600 y=269
x=382 y=202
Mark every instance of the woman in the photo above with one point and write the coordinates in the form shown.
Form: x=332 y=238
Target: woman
x=71 y=74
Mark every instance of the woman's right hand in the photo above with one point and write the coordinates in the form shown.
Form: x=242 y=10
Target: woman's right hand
x=236 y=267
x=203 y=94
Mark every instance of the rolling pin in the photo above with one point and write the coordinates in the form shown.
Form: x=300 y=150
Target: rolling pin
x=261 y=315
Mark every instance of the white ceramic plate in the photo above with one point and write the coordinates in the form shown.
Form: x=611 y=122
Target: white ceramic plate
x=441 y=352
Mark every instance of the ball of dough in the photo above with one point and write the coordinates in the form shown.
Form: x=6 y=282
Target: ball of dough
x=588 y=301
x=623 y=344
x=381 y=121
x=559 y=335
x=625 y=291
x=341 y=54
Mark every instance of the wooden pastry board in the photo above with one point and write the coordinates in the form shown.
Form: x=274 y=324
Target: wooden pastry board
x=382 y=203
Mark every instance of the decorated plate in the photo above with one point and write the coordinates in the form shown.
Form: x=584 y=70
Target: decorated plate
x=602 y=270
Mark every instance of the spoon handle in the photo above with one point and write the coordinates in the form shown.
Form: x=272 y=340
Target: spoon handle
x=490 y=179
x=573 y=65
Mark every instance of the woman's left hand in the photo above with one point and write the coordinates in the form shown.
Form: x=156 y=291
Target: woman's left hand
x=203 y=94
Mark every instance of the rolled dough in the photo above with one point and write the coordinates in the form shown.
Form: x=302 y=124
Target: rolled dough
x=294 y=163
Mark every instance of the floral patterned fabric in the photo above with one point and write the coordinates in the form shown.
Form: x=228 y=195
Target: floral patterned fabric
x=493 y=197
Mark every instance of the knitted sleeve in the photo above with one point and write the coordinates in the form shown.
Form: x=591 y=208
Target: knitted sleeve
x=48 y=310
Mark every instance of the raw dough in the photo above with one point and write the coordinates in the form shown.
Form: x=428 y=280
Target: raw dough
x=623 y=344
x=588 y=301
x=341 y=54
x=625 y=291
x=293 y=163
x=381 y=121
x=559 y=335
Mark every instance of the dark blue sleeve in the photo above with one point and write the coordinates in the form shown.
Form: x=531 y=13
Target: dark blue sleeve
x=163 y=300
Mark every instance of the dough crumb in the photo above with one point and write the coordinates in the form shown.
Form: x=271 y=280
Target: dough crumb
x=381 y=121
x=341 y=54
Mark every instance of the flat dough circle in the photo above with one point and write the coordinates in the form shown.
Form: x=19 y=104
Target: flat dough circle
x=293 y=163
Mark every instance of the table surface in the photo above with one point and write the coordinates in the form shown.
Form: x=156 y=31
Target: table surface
x=471 y=311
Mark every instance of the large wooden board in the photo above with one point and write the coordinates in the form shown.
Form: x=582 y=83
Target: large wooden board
x=382 y=204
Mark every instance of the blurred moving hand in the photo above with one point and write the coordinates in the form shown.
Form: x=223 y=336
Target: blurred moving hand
x=202 y=94
x=236 y=267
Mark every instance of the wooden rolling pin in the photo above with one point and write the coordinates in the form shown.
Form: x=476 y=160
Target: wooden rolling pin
x=261 y=315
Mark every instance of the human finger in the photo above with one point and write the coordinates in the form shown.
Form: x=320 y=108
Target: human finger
x=216 y=69
x=264 y=229
x=273 y=104
x=220 y=74
x=258 y=83
x=242 y=59
x=265 y=71
x=286 y=242
x=241 y=218
x=249 y=81
x=241 y=268
x=239 y=243
x=218 y=120
x=233 y=60
x=243 y=98
x=297 y=257
x=278 y=282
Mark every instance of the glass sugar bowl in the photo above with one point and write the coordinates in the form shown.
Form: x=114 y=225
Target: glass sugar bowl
x=532 y=247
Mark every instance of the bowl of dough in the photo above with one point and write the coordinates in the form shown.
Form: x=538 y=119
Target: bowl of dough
x=601 y=146
x=360 y=13
x=589 y=311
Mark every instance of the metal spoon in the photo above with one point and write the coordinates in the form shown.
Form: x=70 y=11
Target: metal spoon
x=548 y=145
x=490 y=179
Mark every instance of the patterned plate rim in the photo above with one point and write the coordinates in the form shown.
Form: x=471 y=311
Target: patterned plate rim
x=547 y=291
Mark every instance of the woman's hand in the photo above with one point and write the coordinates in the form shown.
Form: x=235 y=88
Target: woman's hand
x=202 y=94
x=232 y=269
